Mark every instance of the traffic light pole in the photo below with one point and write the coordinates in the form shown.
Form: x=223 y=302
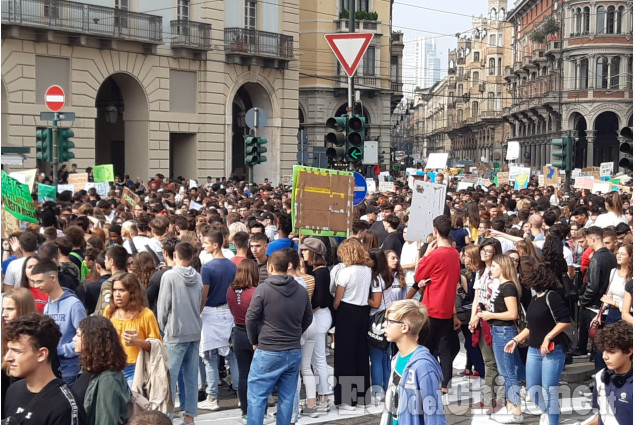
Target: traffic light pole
x=351 y=82
x=55 y=148
x=567 y=176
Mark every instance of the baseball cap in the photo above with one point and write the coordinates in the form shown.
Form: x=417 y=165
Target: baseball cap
x=372 y=210
x=267 y=215
x=313 y=245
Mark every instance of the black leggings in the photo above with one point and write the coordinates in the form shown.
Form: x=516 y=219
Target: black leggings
x=244 y=353
x=443 y=342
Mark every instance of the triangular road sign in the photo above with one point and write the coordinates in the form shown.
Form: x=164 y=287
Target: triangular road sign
x=349 y=48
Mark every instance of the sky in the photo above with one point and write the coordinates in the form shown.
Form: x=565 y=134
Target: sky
x=438 y=19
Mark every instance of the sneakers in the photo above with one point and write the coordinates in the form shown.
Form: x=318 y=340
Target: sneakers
x=209 y=404
x=346 y=407
x=243 y=420
x=504 y=416
x=544 y=419
x=323 y=407
x=579 y=353
x=268 y=419
x=466 y=372
x=311 y=412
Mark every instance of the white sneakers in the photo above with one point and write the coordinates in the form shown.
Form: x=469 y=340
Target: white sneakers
x=208 y=404
x=504 y=416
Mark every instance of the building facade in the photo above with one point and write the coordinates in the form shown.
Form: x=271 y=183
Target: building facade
x=572 y=70
x=322 y=82
x=422 y=66
x=157 y=86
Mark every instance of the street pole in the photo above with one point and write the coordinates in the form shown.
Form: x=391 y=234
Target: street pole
x=351 y=82
x=56 y=149
x=250 y=169
x=567 y=181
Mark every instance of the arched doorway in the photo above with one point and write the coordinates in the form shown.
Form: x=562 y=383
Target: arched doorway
x=252 y=95
x=121 y=126
x=606 y=145
x=580 y=127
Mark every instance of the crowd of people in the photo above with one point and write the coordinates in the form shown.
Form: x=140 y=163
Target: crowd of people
x=107 y=300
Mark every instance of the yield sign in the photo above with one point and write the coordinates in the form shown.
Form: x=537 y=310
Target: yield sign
x=349 y=48
x=54 y=98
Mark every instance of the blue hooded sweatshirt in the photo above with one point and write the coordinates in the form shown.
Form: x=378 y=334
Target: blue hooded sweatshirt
x=419 y=392
x=67 y=312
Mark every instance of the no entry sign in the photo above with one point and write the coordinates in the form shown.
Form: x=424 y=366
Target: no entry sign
x=54 y=98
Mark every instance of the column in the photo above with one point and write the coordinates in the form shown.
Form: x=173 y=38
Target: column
x=592 y=66
x=543 y=154
x=532 y=162
x=590 y=138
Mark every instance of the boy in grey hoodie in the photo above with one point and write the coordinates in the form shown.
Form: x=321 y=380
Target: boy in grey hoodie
x=179 y=317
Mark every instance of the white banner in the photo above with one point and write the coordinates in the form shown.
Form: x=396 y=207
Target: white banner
x=428 y=202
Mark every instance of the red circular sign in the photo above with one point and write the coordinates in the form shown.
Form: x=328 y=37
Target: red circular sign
x=54 y=98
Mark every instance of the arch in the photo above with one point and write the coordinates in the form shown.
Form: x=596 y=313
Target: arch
x=605 y=145
x=492 y=14
x=5 y=113
x=501 y=14
x=600 y=16
x=578 y=123
x=122 y=115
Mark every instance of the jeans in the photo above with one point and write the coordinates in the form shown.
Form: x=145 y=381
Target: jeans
x=270 y=369
x=379 y=369
x=474 y=356
x=543 y=375
x=183 y=356
x=128 y=372
x=322 y=319
x=509 y=365
x=244 y=353
x=491 y=371
x=307 y=355
x=210 y=358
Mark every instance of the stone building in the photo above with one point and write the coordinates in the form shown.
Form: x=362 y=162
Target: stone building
x=156 y=86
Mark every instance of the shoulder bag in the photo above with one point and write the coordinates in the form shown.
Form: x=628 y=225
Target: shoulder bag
x=570 y=333
x=375 y=334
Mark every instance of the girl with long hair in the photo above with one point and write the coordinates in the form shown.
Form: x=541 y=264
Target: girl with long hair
x=134 y=322
x=144 y=267
x=501 y=316
x=239 y=296
x=619 y=277
x=353 y=287
x=473 y=220
x=370 y=239
x=459 y=233
x=526 y=249
x=40 y=297
x=101 y=386
x=547 y=316
x=614 y=213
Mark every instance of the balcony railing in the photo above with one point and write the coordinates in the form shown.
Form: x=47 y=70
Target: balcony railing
x=538 y=55
x=360 y=25
x=82 y=18
x=552 y=46
x=191 y=35
x=396 y=87
x=363 y=81
x=518 y=66
x=250 y=42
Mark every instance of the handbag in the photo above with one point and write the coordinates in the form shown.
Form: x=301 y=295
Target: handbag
x=375 y=334
x=596 y=323
x=570 y=333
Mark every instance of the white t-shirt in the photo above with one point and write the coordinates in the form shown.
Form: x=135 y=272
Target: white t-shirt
x=409 y=256
x=610 y=219
x=13 y=276
x=566 y=252
x=617 y=285
x=356 y=281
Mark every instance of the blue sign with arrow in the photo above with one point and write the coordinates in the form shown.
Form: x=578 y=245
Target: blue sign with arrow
x=360 y=189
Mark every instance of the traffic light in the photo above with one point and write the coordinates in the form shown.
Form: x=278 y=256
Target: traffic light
x=337 y=137
x=44 y=144
x=626 y=147
x=563 y=150
x=65 y=144
x=254 y=150
x=356 y=133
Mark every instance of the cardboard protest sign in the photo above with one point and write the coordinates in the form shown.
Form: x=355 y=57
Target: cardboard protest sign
x=428 y=202
x=78 y=180
x=383 y=176
x=584 y=182
x=464 y=185
x=193 y=183
x=602 y=187
x=386 y=187
x=371 y=186
x=437 y=161
x=64 y=187
x=101 y=187
x=129 y=198
x=287 y=180
x=26 y=177
x=103 y=173
x=606 y=169
x=16 y=198
x=46 y=193
x=520 y=176
x=10 y=224
x=501 y=178
x=322 y=201
x=552 y=176
x=541 y=180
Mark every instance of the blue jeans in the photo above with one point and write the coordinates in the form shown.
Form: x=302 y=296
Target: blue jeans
x=379 y=369
x=270 y=369
x=183 y=357
x=210 y=358
x=510 y=366
x=543 y=375
x=128 y=372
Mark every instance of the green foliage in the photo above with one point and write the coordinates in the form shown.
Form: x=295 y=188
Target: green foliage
x=360 y=15
x=549 y=26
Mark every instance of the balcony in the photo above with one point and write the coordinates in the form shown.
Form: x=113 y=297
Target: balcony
x=518 y=66
x=361 y=25
x=396 y=37
x=553 y=47
x=246 y=45
x=82 y=19
x=191 y=35
x=538 y=55
x=396 y=87
x=482 y=87
x=527 y=62
x=490 y=114
x=363 y=82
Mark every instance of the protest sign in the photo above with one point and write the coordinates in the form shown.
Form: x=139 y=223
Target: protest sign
x=606 y=169
x=78 y=180
x=103 y=173
x=193 y=183
x=322 y=201
x=46 y=193
x=371 y=185
x=602 y=187
x=501 y=178
x=129 y=198
x=64 y=187
x=26 y=177
x=101 y=187
x=10 y=224
x=520 y=176
x=383 y=176
x=195 y=206
x=464 y=185
x=541 y=180
x=287 y=180
x=437 y=161
x=552 y=176
x=584 y=182
x=428 y=202
x=16 y=198
x=386 y=187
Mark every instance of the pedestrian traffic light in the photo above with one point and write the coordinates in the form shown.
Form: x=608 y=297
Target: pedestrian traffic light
x=254 y=150
x=626 y=147
x=562 y=149
x=44 y=144
x=337 y=137
x=65 y=144
x=356 y=133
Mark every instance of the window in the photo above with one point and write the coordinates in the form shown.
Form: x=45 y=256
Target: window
x=629 y=74
x=500 y=40
x=583 y=78
x=499 y=101
x=460 y=90
x=450 y=119
x=618 y=19
x=475 y=108
x=615 y=72
x=183 y=10
x=394 y=68
x=477 y=56
x=492 y=40
x=500 y=66
x=490 y=101
x=610 y=20
x=250 y=14
x=492 y=66
x=121 y=18
x=578 y=20
x=369 y=61
x=459 y=115
x=475 y=78
x=601 y=73
x=492 y=14
x=599 y=20
x=461 y=70
x=359 y=5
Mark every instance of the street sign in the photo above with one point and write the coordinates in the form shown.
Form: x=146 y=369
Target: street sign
x=355 y=153
x=250 y=118
x=360 y=189
x=62 y=116
x=349 y=48
x=371 y=152
x=54 y=98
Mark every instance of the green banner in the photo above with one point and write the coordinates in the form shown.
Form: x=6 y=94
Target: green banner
x=16 y=199
x=46 y=192
x=103 y=173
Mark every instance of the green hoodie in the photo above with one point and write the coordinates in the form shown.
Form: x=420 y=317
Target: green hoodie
x=106 y=400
